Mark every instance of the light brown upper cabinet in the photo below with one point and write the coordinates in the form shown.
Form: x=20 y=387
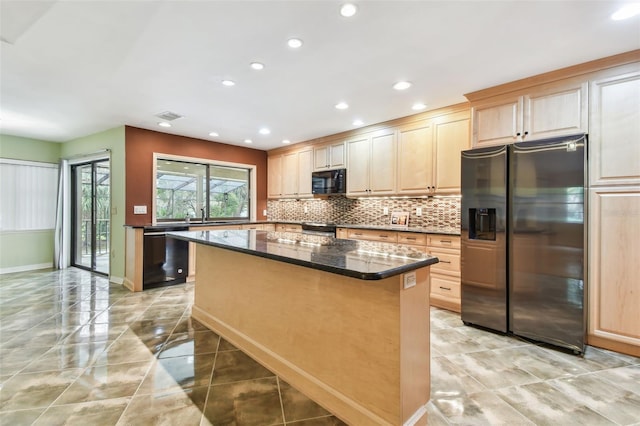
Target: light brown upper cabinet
x=429 y=154
x=545 y=111
x=274 y=176
x=371 y=164
x=451 y=136
x=329 y=156
x=415 y=158
x=614 y=137
x=296 y=174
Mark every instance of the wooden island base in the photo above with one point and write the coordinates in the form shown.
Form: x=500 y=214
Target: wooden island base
x=359 y=348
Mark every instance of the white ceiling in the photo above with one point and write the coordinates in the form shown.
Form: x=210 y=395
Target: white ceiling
x=73 y=68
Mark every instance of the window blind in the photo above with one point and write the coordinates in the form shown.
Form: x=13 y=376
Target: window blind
x=28 y=194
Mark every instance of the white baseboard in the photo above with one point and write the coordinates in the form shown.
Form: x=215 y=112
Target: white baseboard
x=23 y=268
x=116 y=280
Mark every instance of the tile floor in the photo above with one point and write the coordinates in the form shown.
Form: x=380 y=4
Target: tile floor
x=75 y=349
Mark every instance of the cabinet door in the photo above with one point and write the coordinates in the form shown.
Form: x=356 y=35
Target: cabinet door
x=337 y=157
x=556 y=109
x=415 y=158
x=614 y=290
x=382 y=167
x=497 y=122
x=451 y=137
x=304 y=173
x=614 y=135
x=321 y=158
x=290 y=174
x=358 y=166
x=274 y=176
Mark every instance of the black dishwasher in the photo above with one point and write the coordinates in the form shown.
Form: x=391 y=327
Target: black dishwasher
x=165 y=260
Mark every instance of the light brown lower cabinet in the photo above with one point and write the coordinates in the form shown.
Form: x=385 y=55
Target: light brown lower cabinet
x=444 y=276
x=614 y=269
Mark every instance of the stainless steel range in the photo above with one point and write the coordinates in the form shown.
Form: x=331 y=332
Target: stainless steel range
x=315 y=228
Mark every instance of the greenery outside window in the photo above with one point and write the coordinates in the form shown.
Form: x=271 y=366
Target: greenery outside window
x=184 y=188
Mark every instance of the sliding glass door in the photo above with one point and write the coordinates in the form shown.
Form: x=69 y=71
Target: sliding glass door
x=91 y=231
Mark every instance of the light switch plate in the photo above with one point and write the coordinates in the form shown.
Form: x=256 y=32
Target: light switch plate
x=418 y=211
x=409 y=280
x=385 y=210
x=139 y=209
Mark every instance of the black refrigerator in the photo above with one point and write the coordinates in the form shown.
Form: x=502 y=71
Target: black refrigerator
x=523 y=257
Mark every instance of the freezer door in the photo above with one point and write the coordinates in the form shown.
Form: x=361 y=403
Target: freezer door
x=483 y=238
x=546 y=240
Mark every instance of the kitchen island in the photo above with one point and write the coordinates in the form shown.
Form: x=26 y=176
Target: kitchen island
x=345 y=322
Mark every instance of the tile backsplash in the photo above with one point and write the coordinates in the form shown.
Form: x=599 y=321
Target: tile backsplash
x=437 y=212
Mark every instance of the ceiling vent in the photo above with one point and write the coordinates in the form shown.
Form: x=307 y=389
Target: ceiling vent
x=168 y=116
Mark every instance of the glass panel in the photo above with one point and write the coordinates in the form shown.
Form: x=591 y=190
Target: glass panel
x=83 y=209
x=103 y=207
x=228 y=192
x=180 y=189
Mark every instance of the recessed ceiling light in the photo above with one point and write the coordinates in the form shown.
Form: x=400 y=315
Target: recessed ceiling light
x=256 y=65
x=164 y=124
x=248 y=141
x=285 y=141
x=264 y=131
x=228 y=83
x=418 y=106
x=402 y=85
x=358 y=122
x=294 y=43
x=342 y=105
x=214 y=134
x=627 y=11
x=348 y=10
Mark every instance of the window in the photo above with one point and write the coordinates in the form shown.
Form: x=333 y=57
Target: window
x=184 y=188
x=29 y=195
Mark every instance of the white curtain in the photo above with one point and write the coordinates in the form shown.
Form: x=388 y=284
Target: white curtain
x=62 y=238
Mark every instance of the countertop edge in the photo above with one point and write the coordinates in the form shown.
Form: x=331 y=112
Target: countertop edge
x=340 y=271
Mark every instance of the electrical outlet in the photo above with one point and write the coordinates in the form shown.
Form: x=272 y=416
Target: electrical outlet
x=385 y=210
x=409 y=280
x=264 y=212
x=306 y=209
x=418 y=211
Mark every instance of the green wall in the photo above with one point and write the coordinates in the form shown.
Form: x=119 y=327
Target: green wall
x=24 y=249
x=18 y=148
x=114 y=140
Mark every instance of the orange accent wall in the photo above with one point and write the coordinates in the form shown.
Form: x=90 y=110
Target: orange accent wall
x=140 y=144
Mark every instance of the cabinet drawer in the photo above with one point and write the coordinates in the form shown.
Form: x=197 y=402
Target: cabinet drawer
x=372 y=235
x=445 y=286
x=449 y=262
x=444 y=241
x=257 y=227
x=284 y=227
x=412 y=238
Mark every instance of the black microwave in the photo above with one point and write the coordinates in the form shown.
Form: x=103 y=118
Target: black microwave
x=329 y=182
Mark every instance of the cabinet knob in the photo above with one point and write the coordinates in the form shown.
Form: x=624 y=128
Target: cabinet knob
x=526 y=133
x=518 y=134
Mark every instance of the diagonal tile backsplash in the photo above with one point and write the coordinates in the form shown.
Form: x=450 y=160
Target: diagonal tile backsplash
x=437 y=212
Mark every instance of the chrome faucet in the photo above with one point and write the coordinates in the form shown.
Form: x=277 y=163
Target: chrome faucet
x=202 y=210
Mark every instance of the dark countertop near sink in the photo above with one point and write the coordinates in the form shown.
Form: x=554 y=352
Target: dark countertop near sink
x=194 y=224
x=358 y=259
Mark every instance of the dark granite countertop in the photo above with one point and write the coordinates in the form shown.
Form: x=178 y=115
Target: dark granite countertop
x=420 y=230
x=415 y=229
x=359 y=259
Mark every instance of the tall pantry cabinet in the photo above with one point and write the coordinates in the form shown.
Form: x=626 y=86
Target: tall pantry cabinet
x=614 y=198
x=601 y=98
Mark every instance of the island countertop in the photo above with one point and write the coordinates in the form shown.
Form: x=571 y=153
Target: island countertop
x=358 y=259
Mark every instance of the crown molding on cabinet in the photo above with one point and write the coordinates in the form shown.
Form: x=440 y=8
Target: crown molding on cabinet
x=551 y=76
